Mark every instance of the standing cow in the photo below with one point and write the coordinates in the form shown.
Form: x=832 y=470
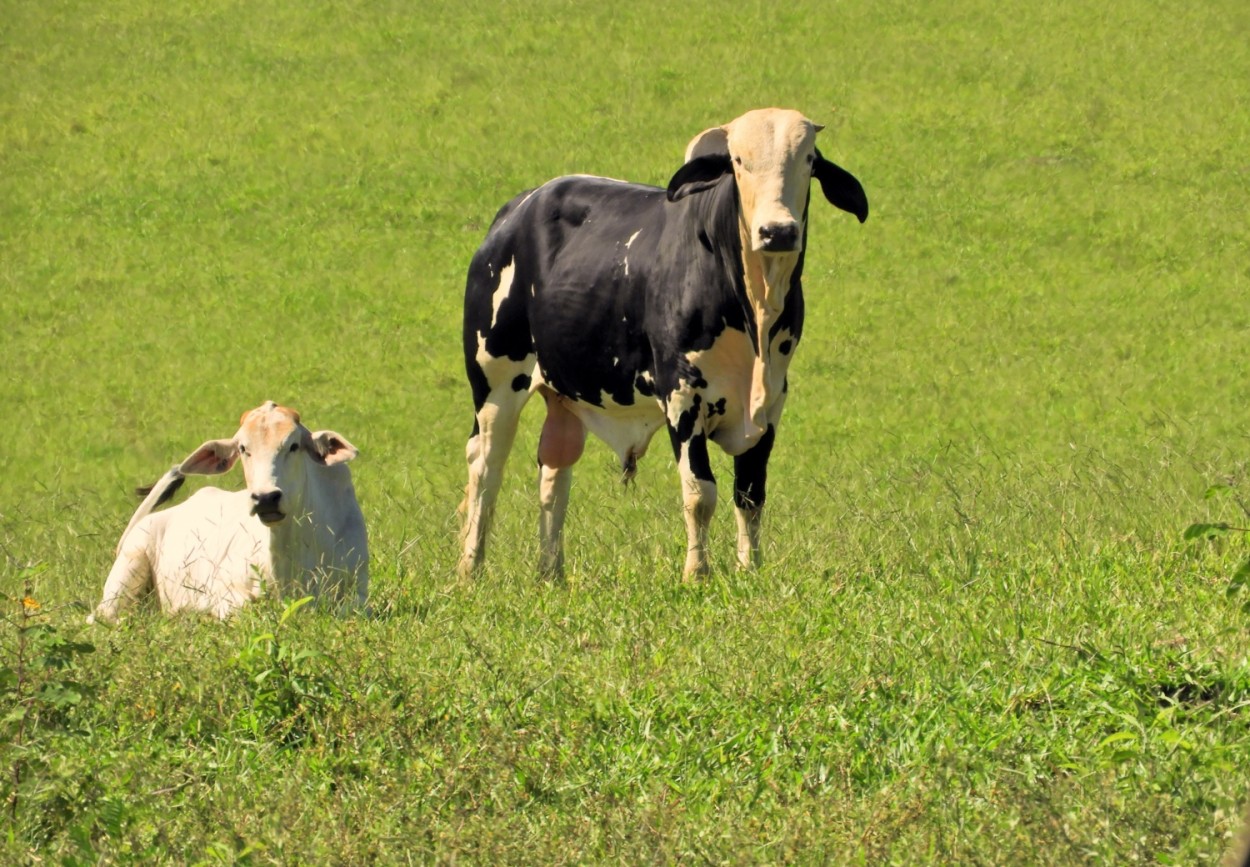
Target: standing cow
x=296 y=524
x=630 y=308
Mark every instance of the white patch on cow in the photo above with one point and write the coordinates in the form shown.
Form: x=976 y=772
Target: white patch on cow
x=783 y=335
x=625 y=262
x=501 y=292
x=501 y=371
x=631 y=238
x=519 y=206
x=593 y=177
x=750 y=388
x=626 y=429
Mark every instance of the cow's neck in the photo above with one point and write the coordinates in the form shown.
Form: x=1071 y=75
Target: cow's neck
x=767 y=281
x=291 y=554
x=299 y=544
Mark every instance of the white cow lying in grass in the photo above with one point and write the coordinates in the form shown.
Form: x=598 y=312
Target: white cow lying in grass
x=297 y=525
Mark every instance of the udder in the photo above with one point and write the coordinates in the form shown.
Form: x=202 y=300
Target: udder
x=563 y=437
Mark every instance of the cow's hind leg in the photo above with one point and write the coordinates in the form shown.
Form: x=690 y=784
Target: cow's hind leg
x=561 y=443
x=128 y=580
x=750 y=475
x=487 y=452
x=698 y=485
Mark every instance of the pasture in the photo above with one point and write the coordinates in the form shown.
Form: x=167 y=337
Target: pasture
x=979 y=635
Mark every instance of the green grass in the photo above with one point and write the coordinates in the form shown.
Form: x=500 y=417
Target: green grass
x=979 y=636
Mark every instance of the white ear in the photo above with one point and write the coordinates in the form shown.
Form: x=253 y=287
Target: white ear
x=332 y=448
x=710 y=142
x=212 y=458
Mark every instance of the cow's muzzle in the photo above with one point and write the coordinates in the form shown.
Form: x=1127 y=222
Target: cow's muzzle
x=779 y=237
x=266 y=506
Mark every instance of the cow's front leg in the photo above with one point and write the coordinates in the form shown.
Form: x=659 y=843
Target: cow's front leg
x=750 y=476
x=698 y=485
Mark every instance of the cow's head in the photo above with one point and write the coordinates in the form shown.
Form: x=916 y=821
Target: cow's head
x=773 y=157
x=277 y=451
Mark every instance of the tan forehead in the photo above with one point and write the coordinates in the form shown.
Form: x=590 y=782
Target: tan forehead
x=269 y=422
x=767 y=129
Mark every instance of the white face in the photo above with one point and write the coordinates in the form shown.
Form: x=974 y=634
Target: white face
x=279 y=456
x=273 y=447
x=772 y=151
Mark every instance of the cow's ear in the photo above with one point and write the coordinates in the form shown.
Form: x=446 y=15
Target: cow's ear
x=329 y=447
x=840 y=187
x=698 y=174
x=212 y=458
x=710 y=142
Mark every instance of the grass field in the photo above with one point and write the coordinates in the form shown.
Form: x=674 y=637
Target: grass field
x=979 y=636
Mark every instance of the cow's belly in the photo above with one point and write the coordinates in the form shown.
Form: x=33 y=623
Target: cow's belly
x=626 y=429
x=728 y=425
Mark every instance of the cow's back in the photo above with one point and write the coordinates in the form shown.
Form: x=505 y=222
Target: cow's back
x=562 y=276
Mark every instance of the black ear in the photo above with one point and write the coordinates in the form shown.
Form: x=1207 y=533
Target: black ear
x=698 y=174
x=840 y=187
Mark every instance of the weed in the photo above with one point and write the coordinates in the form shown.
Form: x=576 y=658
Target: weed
x=40 y=686
x=289 y=685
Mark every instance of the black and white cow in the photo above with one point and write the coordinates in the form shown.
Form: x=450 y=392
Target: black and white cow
x=630 y=308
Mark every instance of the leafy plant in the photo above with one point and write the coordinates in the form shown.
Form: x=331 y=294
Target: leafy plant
x=1217 y=530
x=37 y=684
x=289 y=683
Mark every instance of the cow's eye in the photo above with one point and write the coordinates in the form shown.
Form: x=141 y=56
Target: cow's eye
x=737 y=161
x=242 y=449
x=294 y=447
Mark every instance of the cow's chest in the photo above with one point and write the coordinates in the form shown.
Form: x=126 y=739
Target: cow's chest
x=740 y=393
x=733 y=393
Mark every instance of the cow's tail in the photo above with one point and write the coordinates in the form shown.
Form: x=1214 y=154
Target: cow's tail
x=154 y=496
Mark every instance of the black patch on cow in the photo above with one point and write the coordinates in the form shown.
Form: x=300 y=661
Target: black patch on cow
x=477 y=382
x=700 y=464
x=716 y=408
x=684 y=429
x=510 y=337
x=521 y=382
x=643 y=387
x=751 y=472
x=692 y=376
x=696 y=453
x=166 y=495
x=785 y=347
x=573 y=214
